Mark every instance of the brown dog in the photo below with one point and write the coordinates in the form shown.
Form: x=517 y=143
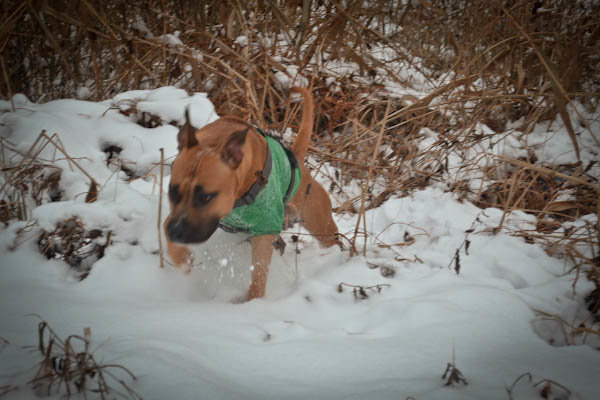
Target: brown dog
x=228 y=164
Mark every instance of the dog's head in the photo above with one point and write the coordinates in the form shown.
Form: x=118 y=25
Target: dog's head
x=203 y=180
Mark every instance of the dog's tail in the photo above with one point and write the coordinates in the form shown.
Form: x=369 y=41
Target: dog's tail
x=300 y=145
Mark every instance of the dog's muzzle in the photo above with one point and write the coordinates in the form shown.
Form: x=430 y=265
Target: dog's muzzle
x=180 y=230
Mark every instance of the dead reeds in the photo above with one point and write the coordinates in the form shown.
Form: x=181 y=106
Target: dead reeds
x=407 y=93
x=69 y=367
x=29 y=180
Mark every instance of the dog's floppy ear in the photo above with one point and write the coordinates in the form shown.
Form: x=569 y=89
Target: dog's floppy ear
x=232 y=153
x=187 y=134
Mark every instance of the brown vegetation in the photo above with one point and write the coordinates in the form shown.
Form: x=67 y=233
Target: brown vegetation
x=496 y=63
x=70 y=366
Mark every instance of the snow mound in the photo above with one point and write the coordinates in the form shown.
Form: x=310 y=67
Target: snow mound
x=185 y=337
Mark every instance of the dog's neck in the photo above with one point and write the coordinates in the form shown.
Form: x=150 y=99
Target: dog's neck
x=253 y=161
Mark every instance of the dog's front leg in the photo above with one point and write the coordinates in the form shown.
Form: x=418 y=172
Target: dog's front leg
x=180 y=254
x=262 y=250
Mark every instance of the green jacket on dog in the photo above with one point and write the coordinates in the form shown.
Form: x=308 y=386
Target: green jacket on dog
x=265 y=213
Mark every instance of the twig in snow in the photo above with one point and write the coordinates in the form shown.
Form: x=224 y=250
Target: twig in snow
x=365 y=188
x=4 y=389
x=549 y=389
x=453 y=376
x=465 y=243
x=160 y=196
x=7 y=82
x=510 y=389
x=360 y=292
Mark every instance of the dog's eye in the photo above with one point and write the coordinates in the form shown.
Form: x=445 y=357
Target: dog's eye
x=201 y=197
x=174 y=194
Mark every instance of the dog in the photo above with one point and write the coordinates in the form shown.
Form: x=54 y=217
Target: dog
x=230 y=174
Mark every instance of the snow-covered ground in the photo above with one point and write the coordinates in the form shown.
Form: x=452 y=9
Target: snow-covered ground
x=185 y=338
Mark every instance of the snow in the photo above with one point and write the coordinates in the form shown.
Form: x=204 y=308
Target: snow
x=187 y=336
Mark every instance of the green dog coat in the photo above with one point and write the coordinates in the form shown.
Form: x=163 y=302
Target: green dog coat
x=264 y=214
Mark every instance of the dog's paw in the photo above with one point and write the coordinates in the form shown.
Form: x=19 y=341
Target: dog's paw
x=185 y=265
x=188 y=265
x=243 y=298
x=179 y=254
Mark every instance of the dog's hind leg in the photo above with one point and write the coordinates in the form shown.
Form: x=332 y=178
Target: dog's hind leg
x=313 y=207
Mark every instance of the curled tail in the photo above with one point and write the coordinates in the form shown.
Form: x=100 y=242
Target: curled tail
x=300 y=145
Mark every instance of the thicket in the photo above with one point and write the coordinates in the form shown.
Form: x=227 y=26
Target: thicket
x=494 y=63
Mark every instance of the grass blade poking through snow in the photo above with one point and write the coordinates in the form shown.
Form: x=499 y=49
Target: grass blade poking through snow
x=160 y=197
x=365 y=187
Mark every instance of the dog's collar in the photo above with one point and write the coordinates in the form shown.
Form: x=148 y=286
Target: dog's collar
x=262 y=177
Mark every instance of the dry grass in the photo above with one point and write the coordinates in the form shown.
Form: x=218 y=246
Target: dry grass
x=478 y=64
x=546 y=388
x=68 y=367
x=72 y=243
x=28 y=179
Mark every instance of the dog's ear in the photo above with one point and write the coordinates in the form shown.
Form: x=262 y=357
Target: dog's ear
x=232 y=153
x=187 y=134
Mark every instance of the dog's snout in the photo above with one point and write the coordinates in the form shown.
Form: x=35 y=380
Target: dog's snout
x=180 y=230
x=176 y=228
